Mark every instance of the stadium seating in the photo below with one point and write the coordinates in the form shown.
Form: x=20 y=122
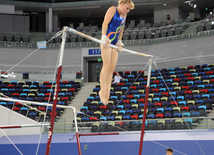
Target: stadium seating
x=187 y=98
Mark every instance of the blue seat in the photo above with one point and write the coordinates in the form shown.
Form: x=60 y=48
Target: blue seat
x=103 y=118
x=207 y=69
x=91 y=98
x=190 y=82
x=160 y=109
x=201 y=86
x=129 y=112
x=194 y=74
x=26 y=91
x=3 y=104
x=202 y=107
x=177 y=115
x=84 y=108
x=41 y=95
x=23 y=95
x=122 y=112
x=195 y=114
x=126 y=117
x=211 y=76
x=189 y=120
x=137 y=96
x=186 y=114
x=120 y=107
x=171 y=88
x=182 y=103
x=180 y=76
x=197 y=82
x=170 y=69
x=84 y=119
x=159 y=77
x=177 y=68
x=172 y=93
x=169 y=115
x=201 y=73
x=162 y=89
x=199 y=101
x=206 y=96
x=205 y=77
x=157 y=94
x=134 y=101
x=210 y=86
x=153 y=86
x=178 y=72
x=61 y=94
x=150 y=116
x=165 y=104
x=180 y=97
x=156 y=99
x=198 y=97
x=168 y=109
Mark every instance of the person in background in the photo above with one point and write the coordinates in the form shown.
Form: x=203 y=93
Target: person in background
x=169 y=151
x=117 y=78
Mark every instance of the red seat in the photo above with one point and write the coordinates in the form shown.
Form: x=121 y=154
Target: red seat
x=46 y=83
x=139 y=101
x=185 y=88
x=133 y=88
x=93 y=118
x=204 y=91
x=165 y=94
x=190 y=79
x=159 y=116
x=126 y=101
x=187 y=74
x=176 y=103
x=127 y=73
x=177 y=79
x=129 y=97
x=158 y=105
x=209 y=73
x=188 y=92
x=156 y=82
x=155 y=90
x=64 y=82
x=10 y=86
x=190 y=67
x=185 y=108
x=134 y=117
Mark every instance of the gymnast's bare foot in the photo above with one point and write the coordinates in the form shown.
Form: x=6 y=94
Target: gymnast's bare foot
x=102 y=98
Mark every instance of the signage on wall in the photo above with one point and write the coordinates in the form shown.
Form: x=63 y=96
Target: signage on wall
x=94 y=52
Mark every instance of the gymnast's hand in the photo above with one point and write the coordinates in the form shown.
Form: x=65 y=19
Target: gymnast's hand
x=119 y=45
x=106 y=40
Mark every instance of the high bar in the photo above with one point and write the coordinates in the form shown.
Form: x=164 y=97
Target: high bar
x=101 y=42
x=36 y=103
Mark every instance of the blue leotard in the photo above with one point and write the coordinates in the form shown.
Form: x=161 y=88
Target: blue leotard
x=114 y=27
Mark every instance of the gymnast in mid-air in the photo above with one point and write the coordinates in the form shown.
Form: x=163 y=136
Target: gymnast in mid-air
x=112 y=32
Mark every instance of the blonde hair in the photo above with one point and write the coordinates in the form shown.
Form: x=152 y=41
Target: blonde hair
x=129 y=2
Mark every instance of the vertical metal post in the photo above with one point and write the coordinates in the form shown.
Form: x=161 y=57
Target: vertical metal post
x=145 y=107
x=77 y=132
x=50 y=133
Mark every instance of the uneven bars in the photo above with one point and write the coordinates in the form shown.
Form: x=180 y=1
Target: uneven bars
x=101 y=42
x=36 y=103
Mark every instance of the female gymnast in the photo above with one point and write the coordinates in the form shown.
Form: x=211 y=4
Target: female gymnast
x=112 y=32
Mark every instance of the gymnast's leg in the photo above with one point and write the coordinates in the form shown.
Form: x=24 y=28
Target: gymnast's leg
x=114 y=57
x=106 y=53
